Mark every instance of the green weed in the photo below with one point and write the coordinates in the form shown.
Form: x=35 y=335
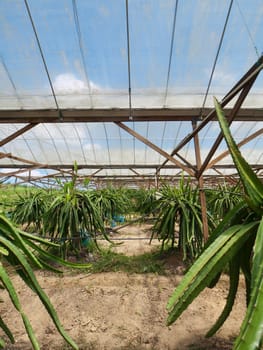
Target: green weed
x=109 y=261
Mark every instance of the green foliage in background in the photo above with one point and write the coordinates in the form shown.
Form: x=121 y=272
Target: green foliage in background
x=237 y=242
x=180 y=206
x=110 y=201
x=29 y=209
x=222 y=198
x=8 y=195
x=71 y=214
x=145 y=202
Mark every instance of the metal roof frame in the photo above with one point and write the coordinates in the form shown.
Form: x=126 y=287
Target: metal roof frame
x=198 y=117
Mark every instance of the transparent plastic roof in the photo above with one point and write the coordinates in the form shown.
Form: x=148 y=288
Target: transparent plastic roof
x=79 y=54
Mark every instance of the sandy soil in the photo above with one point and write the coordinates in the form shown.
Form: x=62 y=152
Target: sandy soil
x=117 y=311
x=131 y=240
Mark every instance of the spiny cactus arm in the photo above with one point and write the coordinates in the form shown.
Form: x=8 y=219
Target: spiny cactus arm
x=252 y=327
x=15 y=301
x=206 y=267
x=234 y=266
x=251 y=183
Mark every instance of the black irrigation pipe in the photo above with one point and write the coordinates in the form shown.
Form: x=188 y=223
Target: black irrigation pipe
x=98 y=239
x=127 y=239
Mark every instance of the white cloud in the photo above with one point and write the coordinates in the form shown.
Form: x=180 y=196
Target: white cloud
x=104 y=11
x=90 y=147
x=222 y=77
x=68 y=83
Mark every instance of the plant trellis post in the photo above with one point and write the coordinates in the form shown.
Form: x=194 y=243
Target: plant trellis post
x=200 y=184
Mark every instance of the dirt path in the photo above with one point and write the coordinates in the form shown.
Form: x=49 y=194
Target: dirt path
x=132 y=240
x=116 y=311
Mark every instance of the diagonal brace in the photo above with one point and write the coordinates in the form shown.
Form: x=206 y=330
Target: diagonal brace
x=154 y=147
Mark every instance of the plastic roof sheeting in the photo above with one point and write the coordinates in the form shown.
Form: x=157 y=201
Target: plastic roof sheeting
x=78 y=54
x=84 y=45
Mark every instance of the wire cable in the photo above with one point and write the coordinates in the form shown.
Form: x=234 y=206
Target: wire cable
x=247 y=29
x=76 y=19
x=11 y=80
x=107 y=141
x=217 y=55
x=92 y=144
x=42 y=56
x=171 y=53
x=129 y=72
x=129 y=59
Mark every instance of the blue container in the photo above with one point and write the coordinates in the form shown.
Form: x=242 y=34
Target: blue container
x=119 y=218
x=113 y=223
x=85 y=242
x=85 y=238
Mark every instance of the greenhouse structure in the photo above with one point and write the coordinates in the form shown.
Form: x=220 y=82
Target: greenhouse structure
x=158 y=96
x=125 y=89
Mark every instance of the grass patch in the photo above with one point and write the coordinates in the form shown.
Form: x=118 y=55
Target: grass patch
x=159 y=261
x=109 y=261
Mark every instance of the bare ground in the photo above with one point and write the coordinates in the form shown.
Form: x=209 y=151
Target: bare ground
x=117 y=311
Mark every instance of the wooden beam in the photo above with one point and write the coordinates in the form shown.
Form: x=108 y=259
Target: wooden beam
x=229 y=178
x=233 y=113
x=21 y=170
x=201 y=185
x=92 y=166
x=96 y=172
x=5 y=155
x=17 y=133
x=39 y=178
x=253 y=71
x=154 y=147
x=27 y=162
x=22 y=160
x=62 y=168
x=121 y=115
x=135 y=172
x=240 y=144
